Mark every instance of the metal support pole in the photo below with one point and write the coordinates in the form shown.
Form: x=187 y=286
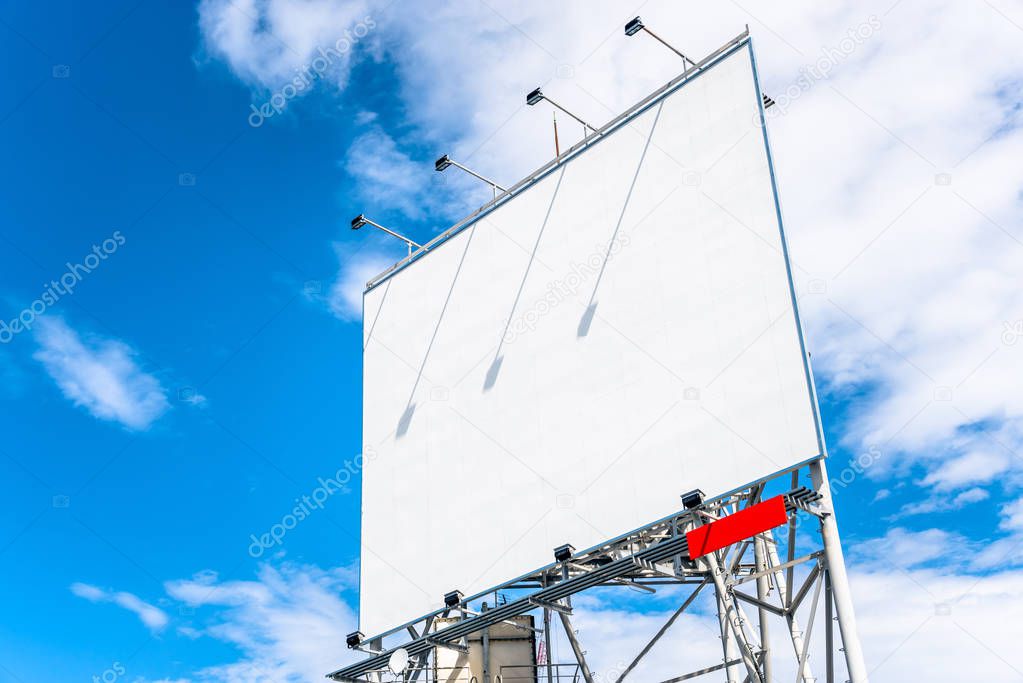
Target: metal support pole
x=763 y=593
x=576 y=648
x=792 y=546
x=376 y=645
x=730 y=659
x=839 y=578
x=547 y=639
x=783 y=588
x=729 y=619
x=421 y=663
x=729 y=655
x=805 y=654
x=752 y=639
x=486 y=650
x=564 y=577
x=829 y=629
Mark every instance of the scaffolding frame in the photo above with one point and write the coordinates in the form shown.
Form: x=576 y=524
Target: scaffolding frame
x=658 y=555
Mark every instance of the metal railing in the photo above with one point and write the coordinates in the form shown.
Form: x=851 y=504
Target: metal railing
x=523 y=673
x=509 y=673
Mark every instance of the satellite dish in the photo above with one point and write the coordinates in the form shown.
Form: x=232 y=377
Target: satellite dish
x=398 y=661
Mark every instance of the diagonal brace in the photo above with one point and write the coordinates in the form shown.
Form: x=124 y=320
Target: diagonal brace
x=576 y=648
x=663 y=630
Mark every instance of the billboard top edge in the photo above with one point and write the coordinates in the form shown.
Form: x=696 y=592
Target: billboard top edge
x=665 y=90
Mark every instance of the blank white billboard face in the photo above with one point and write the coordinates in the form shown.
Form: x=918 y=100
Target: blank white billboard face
x=564 y=368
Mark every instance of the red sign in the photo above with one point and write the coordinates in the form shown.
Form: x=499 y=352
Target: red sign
x=734 y=528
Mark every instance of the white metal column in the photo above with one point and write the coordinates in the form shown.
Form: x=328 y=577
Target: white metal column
x=839 y=578
x=783 y=588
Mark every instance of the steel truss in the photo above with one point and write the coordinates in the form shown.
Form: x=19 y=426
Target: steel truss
x=658 y=555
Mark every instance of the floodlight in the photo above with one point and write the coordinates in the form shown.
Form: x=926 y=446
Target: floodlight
x=453 y=598
x=536 y=96
x=354 y=639
x=634 y=27
x=361 y=220
x=693 y=499
x=446 y=161
x=563 y=553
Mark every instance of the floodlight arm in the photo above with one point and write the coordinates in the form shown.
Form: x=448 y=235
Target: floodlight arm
x=665 y=43
x=636 y=25
x=404 y=239
x=474 y=174
x=562 y=109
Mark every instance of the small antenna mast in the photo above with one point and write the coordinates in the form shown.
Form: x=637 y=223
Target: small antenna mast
x=557 y=149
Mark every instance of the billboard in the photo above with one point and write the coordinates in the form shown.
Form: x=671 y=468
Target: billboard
x=619 y=331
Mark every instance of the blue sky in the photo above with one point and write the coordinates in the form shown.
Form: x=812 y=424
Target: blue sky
x=207 y=292
x=205 y=373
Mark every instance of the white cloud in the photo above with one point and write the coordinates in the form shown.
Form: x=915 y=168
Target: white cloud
x=345 y=295
x=1012 y=515
x=938 y=626
x=266 y=42
x=974 y=495
x=153 y=617
x=908 y=549
x=971 y=467
x=917 y=301
x=1006 y=551
x=289 y=624
x=193 y=398
x=365 y=117
x=90 y=593
x=100 y=375
x=943 y=502
x=385 y=176
x=189 y=632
